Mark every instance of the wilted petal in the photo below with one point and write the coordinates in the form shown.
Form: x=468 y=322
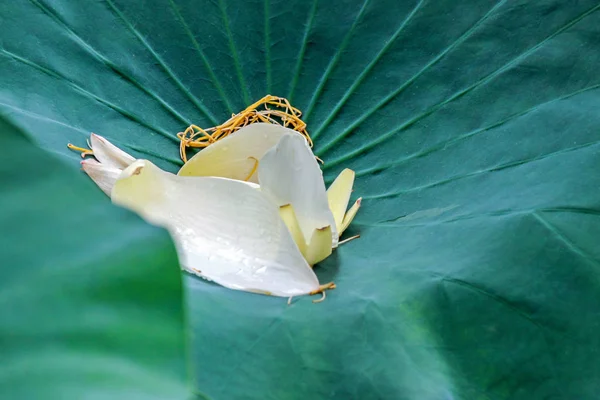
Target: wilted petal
x=224 y=229
x=103 y=175
x=289 y=174
x=290 y=220
x=109 y=154
x=319 y=246
x=236 y=155
x=350 y=215
x=338 y=196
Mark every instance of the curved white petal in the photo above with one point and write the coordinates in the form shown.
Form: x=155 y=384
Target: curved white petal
x=109 y=154
x=235 y=156
x=104 y=176
x=224 y=229
x=289 y=174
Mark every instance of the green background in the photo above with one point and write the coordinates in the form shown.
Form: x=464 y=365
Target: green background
x=474 y=130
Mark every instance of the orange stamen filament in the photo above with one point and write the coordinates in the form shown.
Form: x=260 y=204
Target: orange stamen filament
x=254 y=168
x=322 y=289
x=269 y=109
x=84 y=152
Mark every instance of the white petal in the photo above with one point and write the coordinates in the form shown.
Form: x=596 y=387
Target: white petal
x=109 y=154
x=235 y=155
x=224 y=229
x=289 y=174
x=103 y=175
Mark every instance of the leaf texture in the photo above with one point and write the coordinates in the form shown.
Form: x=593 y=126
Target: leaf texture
x=473 y=128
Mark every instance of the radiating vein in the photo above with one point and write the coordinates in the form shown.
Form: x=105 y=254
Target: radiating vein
x=569 y=244
x=495 y=297
x=412 y=79
x=143 y=150
x=432 y=109
x=398 y=221
x=459 y=138
x=268 y=44
x=482 y=171
x=234 y=53
x=104 y=60
x=44 y=118
x=334 y=60
x=162 y=63
x=300 y=57
x=366 y=71
x=88 y=94
x=85 y=133
x=207 y=66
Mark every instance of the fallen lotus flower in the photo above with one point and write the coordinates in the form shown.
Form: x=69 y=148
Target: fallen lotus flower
x=240 y=239
x=282 y=162
x=225 y=230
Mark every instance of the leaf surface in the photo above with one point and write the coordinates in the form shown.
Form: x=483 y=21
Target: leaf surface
x=472 y=126
x=90 y=295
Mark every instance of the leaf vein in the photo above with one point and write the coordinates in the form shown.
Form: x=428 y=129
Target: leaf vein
x=412 y=79
x=207 y=66
x=367 y=70
x=268 y=44
x=87 y=93
x=103 y=59
x=457 y=95
x=300 y=57
x=334 y=60
x=234 y=53
x=484 y=171
x=455 y=140
x=162 y=63
x=569 y=244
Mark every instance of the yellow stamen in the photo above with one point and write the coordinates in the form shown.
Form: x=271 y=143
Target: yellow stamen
x=275 y=110
x=84 y=152
x=322 y=289
x=253 y=169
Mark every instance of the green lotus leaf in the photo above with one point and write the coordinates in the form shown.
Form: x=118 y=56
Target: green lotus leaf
x=473 y=128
